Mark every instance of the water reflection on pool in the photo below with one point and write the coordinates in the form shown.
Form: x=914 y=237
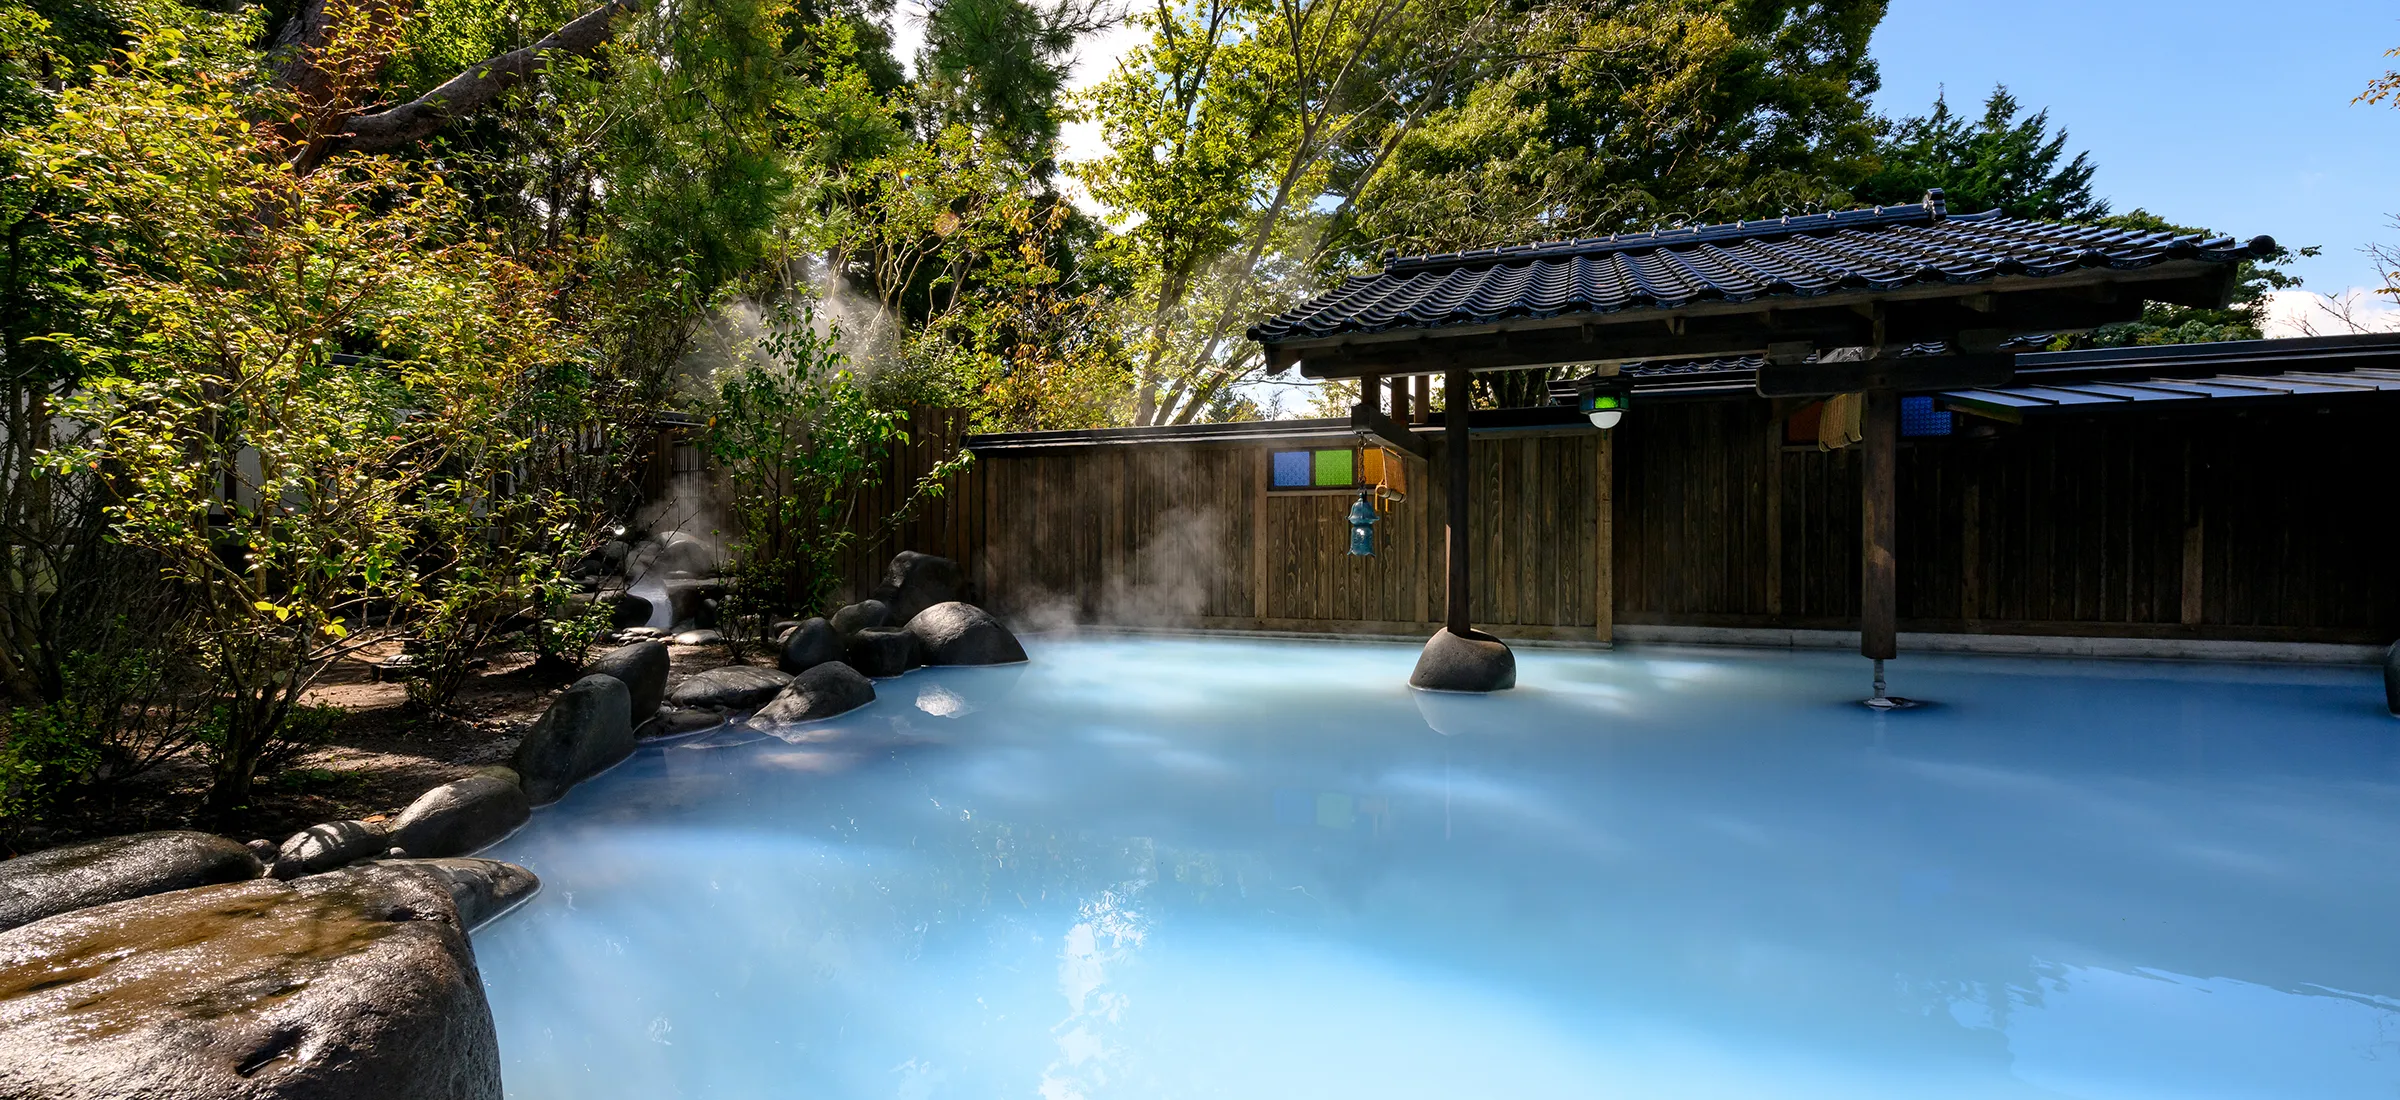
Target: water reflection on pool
x=1163 y=867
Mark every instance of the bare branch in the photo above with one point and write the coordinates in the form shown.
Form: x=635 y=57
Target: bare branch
x=468 y=92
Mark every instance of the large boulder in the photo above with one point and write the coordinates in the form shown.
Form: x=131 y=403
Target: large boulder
x=457 y=818
x=882 y=652
x=642 y=668
x=821 y=692
x=79 y=876
x=963 y=634
x=863 y=615
x=1474 y=661
x=587 y=729
x=733 y=687
x=914 y=582
x=810 y=644
x=321 y=848
x=355 y=983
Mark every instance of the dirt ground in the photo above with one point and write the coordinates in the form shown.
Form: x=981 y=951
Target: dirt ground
x=379 y=760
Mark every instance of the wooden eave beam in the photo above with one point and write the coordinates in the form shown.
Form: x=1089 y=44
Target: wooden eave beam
x=1370 y=423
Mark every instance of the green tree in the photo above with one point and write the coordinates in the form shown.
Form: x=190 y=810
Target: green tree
x=297 y=357
x=801 y=446
x=1259 y=150
x=1001 y=67
x=2006 y=160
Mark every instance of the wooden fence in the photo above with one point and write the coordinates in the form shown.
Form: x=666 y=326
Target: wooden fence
x=1190 y=534
x=2263 y=523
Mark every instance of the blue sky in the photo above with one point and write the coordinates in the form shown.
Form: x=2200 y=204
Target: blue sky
x=2232 y=115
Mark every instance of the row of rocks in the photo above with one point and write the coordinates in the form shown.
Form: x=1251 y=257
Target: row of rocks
x=861 y=635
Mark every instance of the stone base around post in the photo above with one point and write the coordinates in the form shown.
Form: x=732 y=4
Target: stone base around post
x=2391 y=679
x=1474 y=661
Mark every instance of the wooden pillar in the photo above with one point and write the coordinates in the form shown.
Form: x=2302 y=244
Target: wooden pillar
x=1773 y=488
x=1605 y=627
x=1262 y=475
x=1399 y=399
x=1457 y=397
x=1419 y=408
x=1879 y=573
x=2195 y=593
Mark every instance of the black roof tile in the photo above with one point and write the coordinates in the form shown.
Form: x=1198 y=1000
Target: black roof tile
x=1879 y=248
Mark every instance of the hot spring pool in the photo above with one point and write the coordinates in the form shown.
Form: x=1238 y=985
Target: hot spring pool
x=1167 y=868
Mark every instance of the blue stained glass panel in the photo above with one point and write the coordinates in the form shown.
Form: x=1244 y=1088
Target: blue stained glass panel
x=1918 y=417
x=1291 y=469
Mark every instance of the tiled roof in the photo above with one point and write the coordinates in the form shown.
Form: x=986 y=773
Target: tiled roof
x=1880 y=248
x=2316 y=366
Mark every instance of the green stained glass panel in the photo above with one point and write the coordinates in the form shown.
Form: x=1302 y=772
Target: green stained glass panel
x=1334 y=470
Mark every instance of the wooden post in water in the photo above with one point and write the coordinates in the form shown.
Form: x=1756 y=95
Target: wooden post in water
x=1457 y=398
x=1879 y=573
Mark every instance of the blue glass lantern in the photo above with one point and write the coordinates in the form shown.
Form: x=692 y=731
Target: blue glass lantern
x=1362 y=527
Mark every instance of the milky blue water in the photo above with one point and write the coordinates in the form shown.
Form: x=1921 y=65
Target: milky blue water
x=1166 y=868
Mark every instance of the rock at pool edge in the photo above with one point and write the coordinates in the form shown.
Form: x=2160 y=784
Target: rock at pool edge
x=353 y=983
x=1474 y=661
x=821 y=692
x=642 y=668
x=456 y=818
x=587 y=729
x=963 y=634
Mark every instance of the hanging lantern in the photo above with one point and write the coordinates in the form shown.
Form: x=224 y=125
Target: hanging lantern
x=1362 y=527
x=1603 y=399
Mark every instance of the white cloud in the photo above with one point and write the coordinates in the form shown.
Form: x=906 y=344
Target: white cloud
x=2307 y=313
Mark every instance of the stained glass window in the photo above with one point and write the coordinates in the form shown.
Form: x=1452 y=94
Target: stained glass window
x=1918 y=417
x=1328 y=468
x=1334 y=469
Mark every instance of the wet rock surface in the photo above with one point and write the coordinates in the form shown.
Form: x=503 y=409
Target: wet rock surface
x=810 y=644
x=882 y=652
x=41 y=884
x=588 y=729
x=733 y=687
x=642 y=668
x=321 y=848
x=456 y=818
x=914 y=582
x=821 y=692
x=351 y=984
x=481 y=888
x=677 y=721
x=963 y=634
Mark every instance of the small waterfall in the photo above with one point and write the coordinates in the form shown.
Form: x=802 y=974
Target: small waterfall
x=662 y=614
